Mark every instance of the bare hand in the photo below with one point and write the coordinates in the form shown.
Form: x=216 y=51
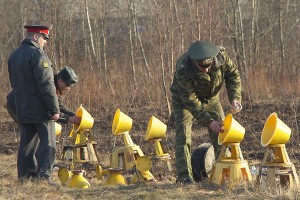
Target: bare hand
x=236 y=106
x=55 y=117
x=75 y=120
x=216 y=127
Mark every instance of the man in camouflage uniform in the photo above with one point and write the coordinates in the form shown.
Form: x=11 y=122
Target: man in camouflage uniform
x=200 y=74
x=37 y=107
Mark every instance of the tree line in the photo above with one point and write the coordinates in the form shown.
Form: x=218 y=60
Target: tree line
x=126 y=50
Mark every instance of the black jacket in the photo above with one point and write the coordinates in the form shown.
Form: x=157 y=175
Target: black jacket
x=31 y=78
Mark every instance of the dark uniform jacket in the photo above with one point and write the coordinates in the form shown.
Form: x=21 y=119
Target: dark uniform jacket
x=195 y=93
x=31 y=78
x=65 y=113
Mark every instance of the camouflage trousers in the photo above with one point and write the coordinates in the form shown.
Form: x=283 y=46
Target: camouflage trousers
x=184 y=121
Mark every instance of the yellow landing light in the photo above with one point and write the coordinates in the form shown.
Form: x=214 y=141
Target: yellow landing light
x=64 y=174
x=72 y=178
x=233 y=131
x=275 y=131
x=231 y=169
x=121 y=123
x=156 y=130
x=57 y=129
x=87 y=121
x=276 y=168
x=115 y=177
x=142 y=174
x=77 y=180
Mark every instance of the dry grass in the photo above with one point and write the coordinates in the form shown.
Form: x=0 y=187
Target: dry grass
x=102 y=96
x=10 y=188
x=263 y=85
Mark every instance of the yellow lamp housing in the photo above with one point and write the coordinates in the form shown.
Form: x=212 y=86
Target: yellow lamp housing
x=121 y=126
x=156 y=130
x=57 y=128
x=233 y=131
x=275 y=131
x=121 y=123
x=115 y=178
x=87 y=121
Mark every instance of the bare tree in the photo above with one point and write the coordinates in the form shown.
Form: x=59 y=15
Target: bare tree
x=162 y=64
x=143 y=51
x=234 y=26
x=132 y=30
x=254 y=27
x=282 y=48
x=90 y=29
x=179 y=24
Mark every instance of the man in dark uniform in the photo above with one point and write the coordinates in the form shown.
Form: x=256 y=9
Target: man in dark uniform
x=37 y=107
x=63 y=82
x=198 y=79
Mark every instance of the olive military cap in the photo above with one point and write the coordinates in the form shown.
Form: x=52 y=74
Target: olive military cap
x=42 y=29
x=201 y=52
x=68 y=76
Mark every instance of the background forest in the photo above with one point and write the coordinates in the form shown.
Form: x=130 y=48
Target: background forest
x=125 y=51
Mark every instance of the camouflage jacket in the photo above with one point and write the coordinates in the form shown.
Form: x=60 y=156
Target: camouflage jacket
x=32 y=80
x=195 y=93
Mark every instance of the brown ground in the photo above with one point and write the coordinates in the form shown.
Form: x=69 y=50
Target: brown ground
x=252 y=118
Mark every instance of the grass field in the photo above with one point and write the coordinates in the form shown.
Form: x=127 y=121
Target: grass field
x=166 y=188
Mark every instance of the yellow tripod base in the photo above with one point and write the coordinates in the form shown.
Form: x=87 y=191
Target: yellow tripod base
x=230 y=172
x=276 y=165
x=231 y=169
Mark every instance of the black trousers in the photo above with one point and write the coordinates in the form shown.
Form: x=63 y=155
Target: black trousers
x=35 y=137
